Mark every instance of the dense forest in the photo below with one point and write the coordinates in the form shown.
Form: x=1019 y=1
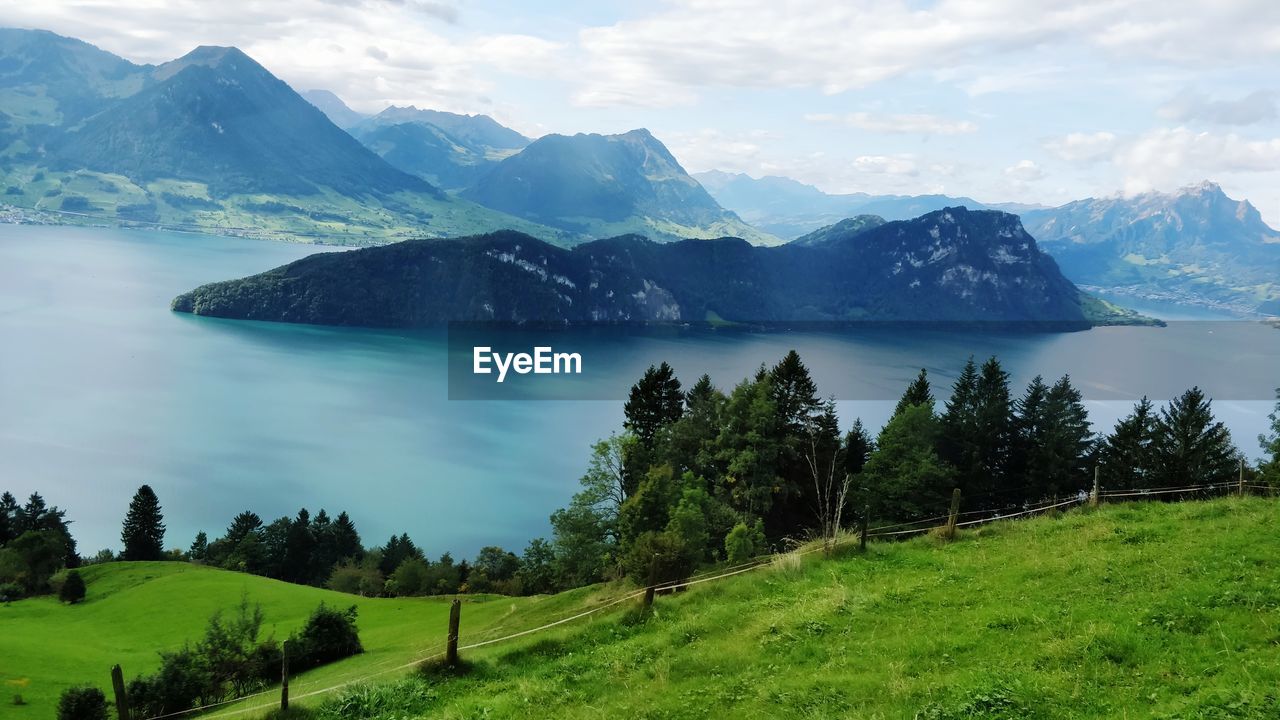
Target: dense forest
x=703 y=475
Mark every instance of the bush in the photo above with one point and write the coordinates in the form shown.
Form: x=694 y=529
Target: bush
x=72 y=590
x=662 y=552
x=329 y=635
x=744 y=542
x=11 y=591
x=82 y=703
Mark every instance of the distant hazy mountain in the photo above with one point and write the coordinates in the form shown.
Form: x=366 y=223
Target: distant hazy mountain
x=333 y=108
x=788 y=208
x=210 y=141
x=449 y=150
x=950 y=265
x=603 y=185
x=1194 y=246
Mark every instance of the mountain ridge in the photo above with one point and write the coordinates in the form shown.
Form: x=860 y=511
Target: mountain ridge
x=954 y=265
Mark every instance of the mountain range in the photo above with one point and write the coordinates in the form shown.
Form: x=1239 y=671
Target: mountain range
x=213 y=141
x=788 y=208
x=952 y=265
x=1195 y=246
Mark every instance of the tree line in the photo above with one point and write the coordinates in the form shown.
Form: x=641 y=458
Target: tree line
x=703 y=475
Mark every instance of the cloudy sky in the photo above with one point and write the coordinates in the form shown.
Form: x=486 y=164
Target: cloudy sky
x=997 y=99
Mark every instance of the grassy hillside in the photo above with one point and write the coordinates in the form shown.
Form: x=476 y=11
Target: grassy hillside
x=134 y=610
x=1135 y=610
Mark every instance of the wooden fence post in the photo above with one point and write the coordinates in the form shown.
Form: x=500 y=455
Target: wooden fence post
x=1093 y=496
x=451 y=649
x=652 y=587
x=1240 y=486
x=122 y=699
x=954 y=515
x=284 y=677
x=866 y=520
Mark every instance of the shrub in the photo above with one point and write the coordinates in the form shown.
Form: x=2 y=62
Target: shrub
x=82 y=703
x=72 y=590
x=11 y=591
x=662 y=552
x=744 y=542
x=329 y=635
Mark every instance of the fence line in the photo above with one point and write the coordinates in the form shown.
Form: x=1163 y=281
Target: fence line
x=718 y=574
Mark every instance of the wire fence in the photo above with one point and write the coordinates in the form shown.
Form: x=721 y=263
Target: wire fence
x=891 y=531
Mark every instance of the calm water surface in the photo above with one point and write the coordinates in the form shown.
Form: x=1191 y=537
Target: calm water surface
x=102 y=388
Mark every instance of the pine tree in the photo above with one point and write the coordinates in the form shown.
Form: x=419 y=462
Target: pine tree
x=654 y=402
x=795 y=395
x=857 y=448
x=344 y=537
x=1068 y=442
x=1126 y=454
x=299 y=550
x=199 y=547
x=1032 y=423
x=977 y=433
x=143 y=530
x=702 y=392
x=1190 y=447
x=917 y=393
x=8 y=518
x=905 y=478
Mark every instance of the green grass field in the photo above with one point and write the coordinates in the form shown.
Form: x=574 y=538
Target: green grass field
x=1131 y=611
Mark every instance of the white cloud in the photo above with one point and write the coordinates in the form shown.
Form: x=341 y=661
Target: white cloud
x=1083 y=147
x=1169 y=157
x=886 y=164
x=1189 y=106
x=663 y=58
x=1024 y=171
x=915 y=124
x=370 y=52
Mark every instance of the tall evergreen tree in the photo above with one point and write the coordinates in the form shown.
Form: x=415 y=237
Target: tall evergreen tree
x=1125 y=456
x=1032 y=422
x=344 y=538
x=654 y=402
x=1191 y=447
x=978 y=432
x=298 y=564
x=199 y=551
x=1068 y=443
x=8 y=518
x=917 y=393
x=143 y=530
x=905 y=478
x=857 y=448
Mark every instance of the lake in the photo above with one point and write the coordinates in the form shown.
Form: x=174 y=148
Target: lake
x=102 y=389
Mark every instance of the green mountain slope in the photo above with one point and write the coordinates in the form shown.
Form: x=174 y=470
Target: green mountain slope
x=134 y=610
x=209 y=142
x=1162 y=610
x=607 y=185
x=217 y=117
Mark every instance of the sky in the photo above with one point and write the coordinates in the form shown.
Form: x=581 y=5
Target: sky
x=999 y=100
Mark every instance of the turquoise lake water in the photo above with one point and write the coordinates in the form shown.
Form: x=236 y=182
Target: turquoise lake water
x=102 y=388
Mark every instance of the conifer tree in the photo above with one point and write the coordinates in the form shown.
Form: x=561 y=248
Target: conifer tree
x=1190 y=447
x=1068 y=442
x=143 y=530
x=8 y=518
x=917 y=393
x=654 y=402
x=1126 y=454
x=199 y=547
x=857 y=448
x=1270 y=465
